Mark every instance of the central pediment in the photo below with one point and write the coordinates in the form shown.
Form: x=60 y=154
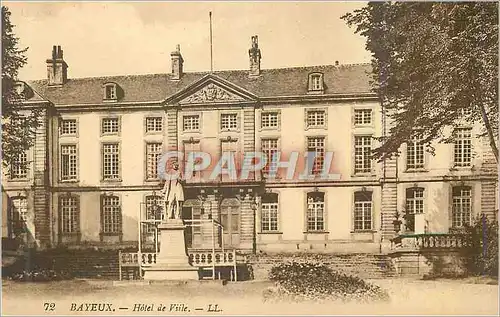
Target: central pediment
x=212 y=89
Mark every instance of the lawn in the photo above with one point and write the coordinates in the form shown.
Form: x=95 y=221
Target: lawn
x=457 y=297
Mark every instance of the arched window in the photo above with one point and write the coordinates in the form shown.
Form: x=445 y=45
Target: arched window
x=363 y=211
x=315 y=211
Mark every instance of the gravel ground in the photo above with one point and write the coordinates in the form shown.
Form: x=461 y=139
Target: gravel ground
x=242 y=298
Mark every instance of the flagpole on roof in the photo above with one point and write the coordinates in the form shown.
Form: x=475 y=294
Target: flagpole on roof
x=211 y=46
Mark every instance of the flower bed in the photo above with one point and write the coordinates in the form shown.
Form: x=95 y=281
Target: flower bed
x=298 y=281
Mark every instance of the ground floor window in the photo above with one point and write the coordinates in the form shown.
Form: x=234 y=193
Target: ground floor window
x=69 y=210
x=414 y=205
x=363 y=210
x=111 y=215
x=462 y=206
x=315 y=211
x=269 y=214
x=18 y=216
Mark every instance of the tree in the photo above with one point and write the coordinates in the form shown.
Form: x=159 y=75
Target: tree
x=434 y=63
x=18 y=125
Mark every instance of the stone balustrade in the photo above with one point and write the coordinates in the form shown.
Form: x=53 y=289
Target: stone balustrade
x=428 y=241
x=198 y=258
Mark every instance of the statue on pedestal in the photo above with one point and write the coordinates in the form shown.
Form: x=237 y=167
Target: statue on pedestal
x=173 y=192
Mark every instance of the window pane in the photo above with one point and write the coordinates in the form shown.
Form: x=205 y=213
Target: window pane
x=110 y=125
x=317 y=146
x=316 y=118
x=463 y=147
x=269 y=120
x=154 y=124
x=70 y=218
x=462 y=208
x=112 y=217
x=110 y=161
x=153 y=154
x=362 y=154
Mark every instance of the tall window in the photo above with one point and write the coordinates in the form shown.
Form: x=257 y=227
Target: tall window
x=153 y=154
x=191 y=147
x=19 y=166
x=269 y=148
x=362 y=154
x=229 y=121
x=463 y=147
x=316 y=118
x=462 y=206
x=363 y=210
x=317 y=145
x=110 y=125
x=154 y=124
x=414 y=205
x=415 y=153
x=68 y=162
x=69 y=127
x=70 y=215
x=191 y=123
x=231 y=147
x=315 y=211
x=110 y=161
x=153 y=211
x=269 y=119
x=269 y=216
x=362 y=116
x=18 y=215
x=111 y=215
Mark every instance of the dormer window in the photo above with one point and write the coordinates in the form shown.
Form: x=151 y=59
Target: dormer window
x=111 y=92
x=316 y=83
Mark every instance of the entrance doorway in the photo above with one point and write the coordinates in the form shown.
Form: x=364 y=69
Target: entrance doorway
x=230 y=220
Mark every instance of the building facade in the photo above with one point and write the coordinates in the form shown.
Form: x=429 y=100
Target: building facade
x=93 y=172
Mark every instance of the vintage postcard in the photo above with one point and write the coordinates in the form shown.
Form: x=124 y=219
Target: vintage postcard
x=249 y=158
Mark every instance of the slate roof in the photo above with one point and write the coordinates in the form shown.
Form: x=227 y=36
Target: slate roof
x=342 y=79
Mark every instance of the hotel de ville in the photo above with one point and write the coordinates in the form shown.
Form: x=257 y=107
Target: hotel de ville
x=92 y=175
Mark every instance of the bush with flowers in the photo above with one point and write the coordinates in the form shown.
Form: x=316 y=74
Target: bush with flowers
x=309 y=280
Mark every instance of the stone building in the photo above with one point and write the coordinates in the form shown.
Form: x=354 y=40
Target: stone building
x=93 y=170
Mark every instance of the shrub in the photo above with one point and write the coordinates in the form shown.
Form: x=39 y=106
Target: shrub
x=481 y=252
x=316 y=281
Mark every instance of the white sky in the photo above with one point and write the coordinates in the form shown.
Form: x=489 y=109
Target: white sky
x=119 y=38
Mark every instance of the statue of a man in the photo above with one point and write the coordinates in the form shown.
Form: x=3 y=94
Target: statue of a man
x=173 y=192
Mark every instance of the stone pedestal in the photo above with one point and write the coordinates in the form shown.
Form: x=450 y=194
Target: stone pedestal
x=172 y=262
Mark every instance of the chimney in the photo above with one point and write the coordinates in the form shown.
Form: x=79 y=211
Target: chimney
x=177 y=62
x=57 y=69
x=254 y=54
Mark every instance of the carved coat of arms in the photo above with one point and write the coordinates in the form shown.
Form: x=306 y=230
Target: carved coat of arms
x=211 y=93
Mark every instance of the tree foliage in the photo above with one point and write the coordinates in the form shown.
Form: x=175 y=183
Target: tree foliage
x=481 y=253
x=434 y=63
x=18 y=126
